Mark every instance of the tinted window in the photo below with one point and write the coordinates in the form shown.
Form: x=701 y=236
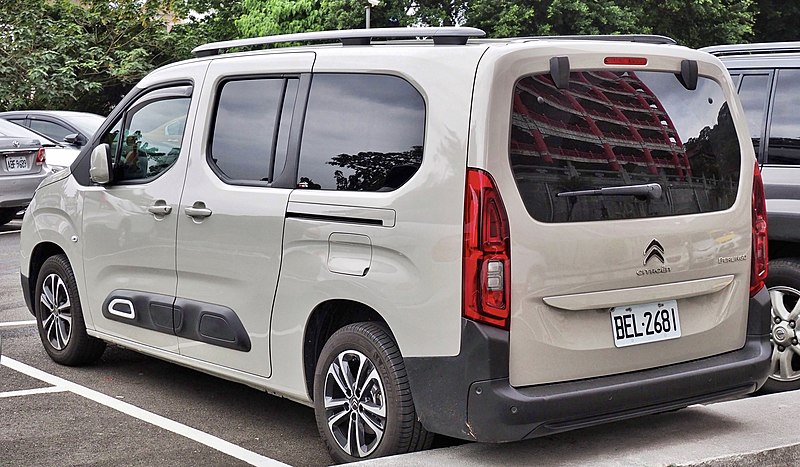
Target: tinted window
x=784 y=129
x=753 y=94
x=53 y=130
x=617 y=129
x=246 y=127
x=362 y=133
x=151 y=143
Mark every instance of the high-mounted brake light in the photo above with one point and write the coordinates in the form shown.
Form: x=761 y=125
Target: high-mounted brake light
x=40 y=157
x=625 y=61
x=760 y=260
x=487 y=253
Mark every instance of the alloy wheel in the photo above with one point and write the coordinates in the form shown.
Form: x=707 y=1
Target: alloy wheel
x=56 y=311
x=355 y=403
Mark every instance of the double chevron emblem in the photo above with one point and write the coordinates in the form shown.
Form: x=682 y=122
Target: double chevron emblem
x=654 y=250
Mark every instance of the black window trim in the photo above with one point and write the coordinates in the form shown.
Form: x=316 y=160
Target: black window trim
x=291 y=152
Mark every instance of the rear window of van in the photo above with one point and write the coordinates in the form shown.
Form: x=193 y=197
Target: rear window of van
x=622 y=128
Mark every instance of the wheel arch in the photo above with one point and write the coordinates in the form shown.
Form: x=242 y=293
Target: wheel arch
x=38 y=256
x=779 y=249
x=327 y=318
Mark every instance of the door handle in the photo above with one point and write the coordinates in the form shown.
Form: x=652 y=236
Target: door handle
x=160 y=208
x=198 y=210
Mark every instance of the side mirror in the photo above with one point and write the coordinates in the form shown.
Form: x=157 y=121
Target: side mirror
x=100 y=165
x=75 y=139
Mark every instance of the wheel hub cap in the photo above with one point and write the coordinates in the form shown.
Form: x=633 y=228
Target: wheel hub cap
x=785 y=316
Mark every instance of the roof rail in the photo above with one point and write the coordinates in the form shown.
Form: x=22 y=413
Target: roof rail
x=762 y=48
x=440 y=35
x=644 y=38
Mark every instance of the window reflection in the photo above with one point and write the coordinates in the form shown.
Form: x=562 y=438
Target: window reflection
x=784 y=130
x=622 y=128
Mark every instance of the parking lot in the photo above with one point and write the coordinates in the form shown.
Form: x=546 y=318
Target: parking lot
x=131 y=409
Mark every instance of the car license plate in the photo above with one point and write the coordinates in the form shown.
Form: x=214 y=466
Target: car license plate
x=16 y=163
x=648 y=322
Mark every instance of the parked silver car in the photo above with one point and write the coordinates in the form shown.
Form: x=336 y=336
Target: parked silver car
x=21 y=171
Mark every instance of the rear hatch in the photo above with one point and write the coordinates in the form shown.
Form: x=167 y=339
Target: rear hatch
x=628 y=199
x=18 y=156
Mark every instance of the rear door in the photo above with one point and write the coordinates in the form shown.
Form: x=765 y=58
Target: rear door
x=622 y=279
x=232 y=210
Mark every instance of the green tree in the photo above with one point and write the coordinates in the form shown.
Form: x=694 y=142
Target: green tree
x=85 y=56
x=777 y=20
x=270 y=17
x=695 y=24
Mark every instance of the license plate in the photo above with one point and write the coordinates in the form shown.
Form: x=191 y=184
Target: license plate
x=16 y=163
x=648 y=322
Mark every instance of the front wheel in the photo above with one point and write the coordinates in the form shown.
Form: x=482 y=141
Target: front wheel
x=362 y=398
x=59 y=316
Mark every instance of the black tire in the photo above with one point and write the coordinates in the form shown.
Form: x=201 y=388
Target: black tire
x=783 y=283
x=59 y=316
x=402 y=432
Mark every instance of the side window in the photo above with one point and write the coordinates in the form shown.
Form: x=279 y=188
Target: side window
x=784 y=129
x=753 y=94
x=53 y=130
x=251 y=128
x=362 y=133
x=152 y=137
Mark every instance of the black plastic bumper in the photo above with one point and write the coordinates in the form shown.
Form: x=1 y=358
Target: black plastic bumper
x=469 y=396
x=26 y=292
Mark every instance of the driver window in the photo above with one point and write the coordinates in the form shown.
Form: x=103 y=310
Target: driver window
x=151 y=139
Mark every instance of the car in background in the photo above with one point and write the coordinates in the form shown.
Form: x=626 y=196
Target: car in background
x=58 y=156
x=22 y=168
x=767 y=77
x=73 y=128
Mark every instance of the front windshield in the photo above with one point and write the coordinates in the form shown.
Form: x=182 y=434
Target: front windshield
x=12 y=129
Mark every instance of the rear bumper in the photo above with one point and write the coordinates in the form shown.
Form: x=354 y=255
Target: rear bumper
x=18 y=190
x=467 y=396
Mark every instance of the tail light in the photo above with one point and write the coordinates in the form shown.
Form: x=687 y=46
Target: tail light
x=760 y=259
x=487 y=253
x=40 y=157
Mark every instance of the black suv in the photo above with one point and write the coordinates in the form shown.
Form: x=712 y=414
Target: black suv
x=767 y=77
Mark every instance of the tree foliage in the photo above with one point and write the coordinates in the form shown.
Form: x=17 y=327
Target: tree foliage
x=86 y=55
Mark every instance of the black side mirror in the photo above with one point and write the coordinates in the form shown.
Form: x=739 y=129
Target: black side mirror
x=75 y=139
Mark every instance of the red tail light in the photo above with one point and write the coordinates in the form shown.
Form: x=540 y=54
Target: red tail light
x=760 y=257
x=487 y=253
x=40 y=157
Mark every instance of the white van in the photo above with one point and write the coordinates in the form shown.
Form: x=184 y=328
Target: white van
x=488 y=239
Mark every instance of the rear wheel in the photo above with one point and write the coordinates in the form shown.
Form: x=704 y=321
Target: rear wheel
x=362 y=398
x=59 y=316
x=783 y=283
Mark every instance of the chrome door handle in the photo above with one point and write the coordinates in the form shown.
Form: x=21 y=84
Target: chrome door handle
x=161 y=208
x=197 y=210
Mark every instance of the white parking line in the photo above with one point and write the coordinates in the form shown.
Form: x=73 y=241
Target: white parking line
x=9 y=324
x=28 y=392
x=211 y=441
x=9 y=232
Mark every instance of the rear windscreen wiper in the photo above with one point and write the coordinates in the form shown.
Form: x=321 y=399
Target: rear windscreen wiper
x=649 y=190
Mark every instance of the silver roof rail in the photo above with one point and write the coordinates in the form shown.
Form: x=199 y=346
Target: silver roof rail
x=440 y=35
x=763 y=48
x=643 y=38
